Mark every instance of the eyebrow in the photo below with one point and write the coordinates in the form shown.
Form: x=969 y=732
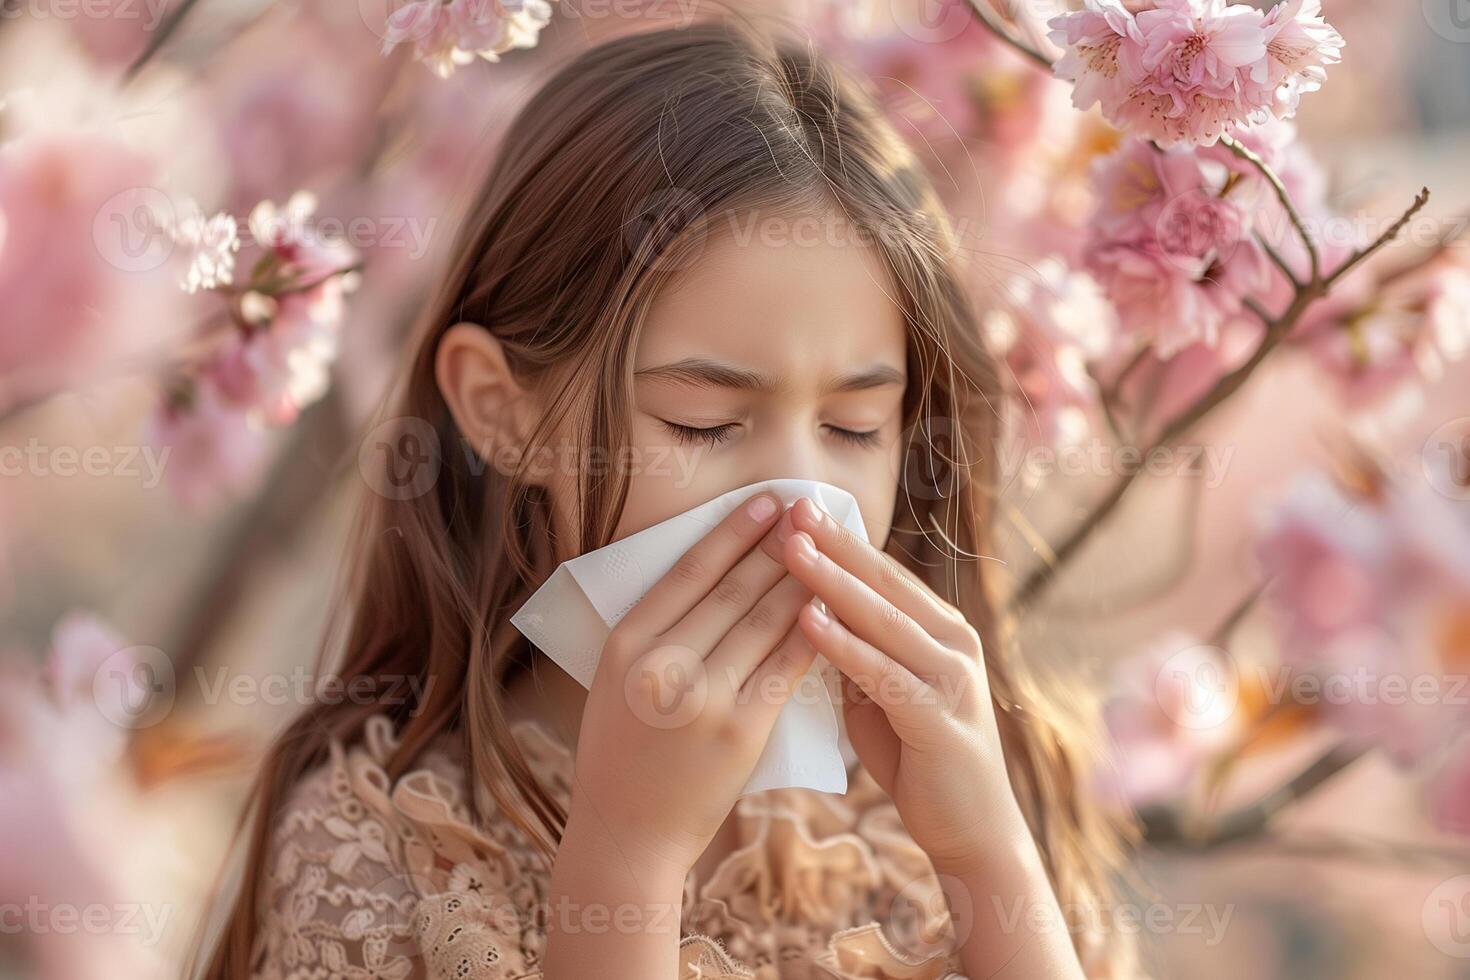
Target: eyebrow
x=706 y=373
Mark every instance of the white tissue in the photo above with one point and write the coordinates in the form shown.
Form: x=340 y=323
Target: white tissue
x=570 y=616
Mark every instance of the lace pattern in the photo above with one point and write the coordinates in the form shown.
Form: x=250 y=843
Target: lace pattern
x=379 y=879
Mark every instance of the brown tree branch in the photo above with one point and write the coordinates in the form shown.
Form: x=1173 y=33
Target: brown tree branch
x=1276 y=331
x=991 y=19
x=1284 y=196
x=1172 y=828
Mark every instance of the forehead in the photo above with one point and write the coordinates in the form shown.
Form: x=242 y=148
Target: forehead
x=800 y=295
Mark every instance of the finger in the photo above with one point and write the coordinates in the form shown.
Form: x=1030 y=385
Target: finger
x=865 y=612
x=882 y=679
x=702 y=566
x=871 y=735
x=735 y=597
x=879 y=571
x=776 y=680
x=750 y=640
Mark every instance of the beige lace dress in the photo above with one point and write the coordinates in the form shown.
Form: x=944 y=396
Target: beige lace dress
x=377 y=878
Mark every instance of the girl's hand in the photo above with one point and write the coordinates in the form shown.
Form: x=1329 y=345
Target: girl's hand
x=686 y=693
x=916 y=698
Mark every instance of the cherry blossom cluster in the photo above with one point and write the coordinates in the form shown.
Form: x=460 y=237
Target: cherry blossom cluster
x=1370 y=580
x=275 y=360
x=1186 y=71
x=449 y=33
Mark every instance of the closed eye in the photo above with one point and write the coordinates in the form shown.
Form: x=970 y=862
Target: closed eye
x=861 y=439
x=715 y=434
x=689 y=434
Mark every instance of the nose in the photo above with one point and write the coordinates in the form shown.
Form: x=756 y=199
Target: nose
x=791 y=452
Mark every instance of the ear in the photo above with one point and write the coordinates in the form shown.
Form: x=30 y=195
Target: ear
x=493 y=412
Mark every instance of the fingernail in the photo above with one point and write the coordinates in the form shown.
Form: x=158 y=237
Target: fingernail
x=761 y=507
x=819 y=614
x=784 y=527
x=805 y=550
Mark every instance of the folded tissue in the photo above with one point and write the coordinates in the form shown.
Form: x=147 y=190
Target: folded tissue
x=570 y=616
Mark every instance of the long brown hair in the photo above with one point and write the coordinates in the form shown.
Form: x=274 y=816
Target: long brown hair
x=595 y=201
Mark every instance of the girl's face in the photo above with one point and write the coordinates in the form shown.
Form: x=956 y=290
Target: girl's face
x=779 y=353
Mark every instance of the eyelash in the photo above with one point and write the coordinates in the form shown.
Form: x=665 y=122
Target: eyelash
x=715 y=434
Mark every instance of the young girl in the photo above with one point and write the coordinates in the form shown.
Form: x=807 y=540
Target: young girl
x=701 y=261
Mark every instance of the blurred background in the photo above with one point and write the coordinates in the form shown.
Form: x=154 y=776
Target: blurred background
x=1238 y=616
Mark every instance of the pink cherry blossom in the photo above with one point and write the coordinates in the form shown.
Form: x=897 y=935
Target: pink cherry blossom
x=1051 y=323
x=968 y=86
x=1171 y=244
x=1102 y=53
x=1189 y=70
x=1171 y=707
x=66 y=792
x=212 y=243
x=1380 y=341
x=277 y=362
x=1299 y=47
x=275 y=371
x=1372 y=592
x=213 y=450
x=1156 y=389
x=65 y=271
x=450 y=33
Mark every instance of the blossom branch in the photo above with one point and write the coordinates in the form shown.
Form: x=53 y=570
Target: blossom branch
x=1392 y=232
x=159 y=37
x=1277 y=329
x=1277 y=260
x=1305 y=293
x=1169 y=828
x=1271 y=177
x=992 y=21
x=1336 y=847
